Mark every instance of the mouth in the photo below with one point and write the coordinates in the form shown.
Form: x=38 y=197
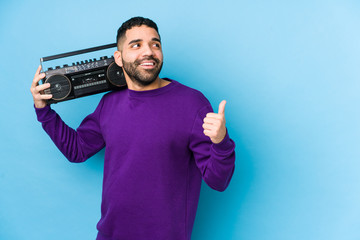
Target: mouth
x=147 y=64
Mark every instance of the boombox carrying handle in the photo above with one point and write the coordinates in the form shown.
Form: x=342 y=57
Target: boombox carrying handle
x=69 y=54
x=87 y=50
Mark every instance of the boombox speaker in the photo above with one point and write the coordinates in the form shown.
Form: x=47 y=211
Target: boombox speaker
x=83 y=78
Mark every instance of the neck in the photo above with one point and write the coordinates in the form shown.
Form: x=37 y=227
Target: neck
x=158 y=83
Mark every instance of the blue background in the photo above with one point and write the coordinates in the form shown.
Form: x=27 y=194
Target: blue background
x=289 y=71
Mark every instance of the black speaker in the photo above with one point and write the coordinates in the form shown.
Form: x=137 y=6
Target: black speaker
x=115 y=75
x=60 y=87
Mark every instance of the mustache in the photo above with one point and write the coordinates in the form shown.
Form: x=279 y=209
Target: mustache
x=138 y=62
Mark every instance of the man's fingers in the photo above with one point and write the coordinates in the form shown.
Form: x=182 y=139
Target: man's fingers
x=214 y=115
x=42 y=87
x=207 y=126
x=211 y=120
x=37 y=78
x=46 y=96
x=222 y=107
x=208 y=133
x=38 y=71
x=38 y=88
x=39 y=96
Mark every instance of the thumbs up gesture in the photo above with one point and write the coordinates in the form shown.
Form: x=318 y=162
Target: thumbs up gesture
x=214 y=124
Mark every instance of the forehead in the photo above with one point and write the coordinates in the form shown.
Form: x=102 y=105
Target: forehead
x=141 y=33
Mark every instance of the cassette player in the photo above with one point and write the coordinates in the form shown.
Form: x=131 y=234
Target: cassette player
x=82 y=78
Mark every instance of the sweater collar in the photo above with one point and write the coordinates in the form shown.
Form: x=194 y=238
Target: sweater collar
x=154 y=92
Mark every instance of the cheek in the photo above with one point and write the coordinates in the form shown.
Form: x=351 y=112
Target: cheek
x=159 y=55
x=128 y=57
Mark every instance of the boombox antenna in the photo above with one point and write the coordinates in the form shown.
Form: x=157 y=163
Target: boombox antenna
x=68 y=54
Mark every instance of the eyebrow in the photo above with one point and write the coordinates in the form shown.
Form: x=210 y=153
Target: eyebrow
x=139 y=40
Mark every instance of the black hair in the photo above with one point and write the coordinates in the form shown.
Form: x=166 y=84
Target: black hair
x=134 y=22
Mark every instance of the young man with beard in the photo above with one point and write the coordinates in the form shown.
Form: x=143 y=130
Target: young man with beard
x=162 y=138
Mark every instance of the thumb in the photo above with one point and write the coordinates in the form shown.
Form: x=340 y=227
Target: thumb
x=222 y=107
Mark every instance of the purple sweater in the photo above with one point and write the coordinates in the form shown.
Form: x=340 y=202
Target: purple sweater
x=156 y=156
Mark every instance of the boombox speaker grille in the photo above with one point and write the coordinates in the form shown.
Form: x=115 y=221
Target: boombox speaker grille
x=60 y=87
x=115 y=75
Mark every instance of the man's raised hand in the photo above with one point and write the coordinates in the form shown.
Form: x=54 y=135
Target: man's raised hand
x=36 y=89
x=214 y=124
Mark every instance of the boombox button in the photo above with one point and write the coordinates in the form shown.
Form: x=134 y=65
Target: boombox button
x=50 y=68
x=103 y=58
x=57 y=67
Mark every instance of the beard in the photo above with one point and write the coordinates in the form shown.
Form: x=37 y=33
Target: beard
x=142 y=77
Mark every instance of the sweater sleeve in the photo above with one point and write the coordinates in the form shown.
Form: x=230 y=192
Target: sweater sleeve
x=76 y=145
x=215 y=161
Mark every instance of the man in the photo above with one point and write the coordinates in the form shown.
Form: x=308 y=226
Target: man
x=162 y=138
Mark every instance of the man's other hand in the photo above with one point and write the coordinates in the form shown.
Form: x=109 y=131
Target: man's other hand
x=214 y=124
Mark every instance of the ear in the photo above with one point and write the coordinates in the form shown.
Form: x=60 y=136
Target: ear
x=117 y=58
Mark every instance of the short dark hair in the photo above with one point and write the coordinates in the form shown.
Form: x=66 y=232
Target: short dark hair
x=134 y=22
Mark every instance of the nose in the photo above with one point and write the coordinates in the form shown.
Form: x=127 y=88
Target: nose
x=147 y=50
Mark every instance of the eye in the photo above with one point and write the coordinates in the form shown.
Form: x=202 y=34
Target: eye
x=157 y=45
x=136 y=45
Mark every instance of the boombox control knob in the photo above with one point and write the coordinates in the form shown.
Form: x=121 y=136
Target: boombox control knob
x=57 y=87
x=57 y=67
x=103 y=58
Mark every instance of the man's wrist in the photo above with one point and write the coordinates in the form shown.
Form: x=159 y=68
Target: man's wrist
x=39 y=105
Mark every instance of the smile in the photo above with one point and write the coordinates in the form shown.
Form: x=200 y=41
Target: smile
x=147 y=64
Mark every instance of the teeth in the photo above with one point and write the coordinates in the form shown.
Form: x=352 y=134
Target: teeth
x=147 y=64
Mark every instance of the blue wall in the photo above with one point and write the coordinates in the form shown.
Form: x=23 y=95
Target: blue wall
x=289 y=71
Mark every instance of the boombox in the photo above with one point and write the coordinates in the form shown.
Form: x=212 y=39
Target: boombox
x=82 y=78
